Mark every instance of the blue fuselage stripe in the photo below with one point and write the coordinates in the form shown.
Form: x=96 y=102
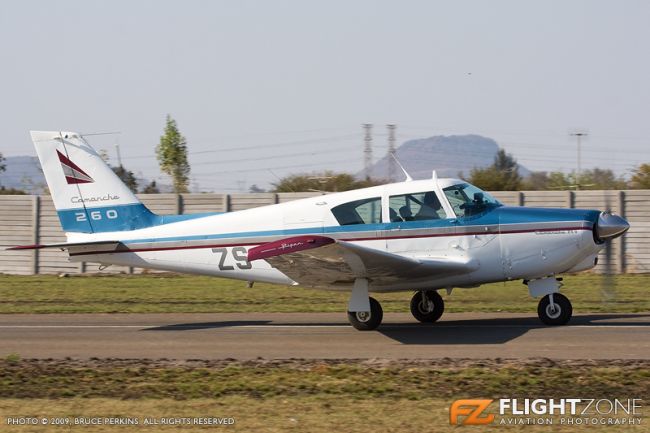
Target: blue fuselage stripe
x=116 y=218
x=499 y=216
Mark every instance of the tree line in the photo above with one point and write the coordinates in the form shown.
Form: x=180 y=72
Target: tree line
x=502 y=175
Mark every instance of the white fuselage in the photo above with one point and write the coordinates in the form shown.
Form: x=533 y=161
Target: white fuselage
x=217 y=245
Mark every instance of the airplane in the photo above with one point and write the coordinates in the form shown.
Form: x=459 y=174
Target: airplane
x=417 y=235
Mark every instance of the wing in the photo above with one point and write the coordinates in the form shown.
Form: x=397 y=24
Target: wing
x=319 y=261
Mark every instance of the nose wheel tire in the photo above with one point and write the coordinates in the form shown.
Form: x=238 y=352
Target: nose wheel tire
x=557 y=314
x=367 y=321
x=427 y=306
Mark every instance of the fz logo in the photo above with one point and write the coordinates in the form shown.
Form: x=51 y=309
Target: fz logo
x=471 y=410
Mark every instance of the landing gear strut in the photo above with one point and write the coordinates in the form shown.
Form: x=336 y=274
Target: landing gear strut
x=427 y=306
x=554 y=309
x=367 y=320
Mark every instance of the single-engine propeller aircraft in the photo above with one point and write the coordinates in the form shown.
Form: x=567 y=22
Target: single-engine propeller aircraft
x=421 y=236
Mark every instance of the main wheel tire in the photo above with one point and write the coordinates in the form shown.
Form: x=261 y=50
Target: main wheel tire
x=364 y=321
x=429 y=311
x=558 y=316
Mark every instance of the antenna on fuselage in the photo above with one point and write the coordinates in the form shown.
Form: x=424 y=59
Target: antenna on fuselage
x=408 y=176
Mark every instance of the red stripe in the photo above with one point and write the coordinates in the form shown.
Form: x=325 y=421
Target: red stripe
x=26 y=247
x=72 y=180
x=194 y=247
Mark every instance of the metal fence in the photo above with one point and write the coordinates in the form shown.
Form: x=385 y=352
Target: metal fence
x=33 y=220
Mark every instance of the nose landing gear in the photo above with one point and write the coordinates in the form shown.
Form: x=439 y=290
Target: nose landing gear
x=554 y=308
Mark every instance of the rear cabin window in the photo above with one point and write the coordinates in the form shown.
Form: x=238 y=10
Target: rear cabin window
x=420 y=206
x=365 y=211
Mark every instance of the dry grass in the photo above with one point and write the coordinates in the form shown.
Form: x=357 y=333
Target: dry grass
x=354 y=379
x=295 y=395
x=322 y=414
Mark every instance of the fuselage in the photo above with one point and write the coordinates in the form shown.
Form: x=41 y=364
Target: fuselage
x=508 y=242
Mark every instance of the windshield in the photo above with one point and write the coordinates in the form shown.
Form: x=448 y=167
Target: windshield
x=468 y=200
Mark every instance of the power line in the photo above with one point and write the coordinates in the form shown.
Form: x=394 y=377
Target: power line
x=262 y=134
x=293 y=155
x=262 y=146
x=339 y=161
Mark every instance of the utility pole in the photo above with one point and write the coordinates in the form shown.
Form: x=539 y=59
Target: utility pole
x=119 y=157
x=391 y=151
x=578 y=136
x=367 y=149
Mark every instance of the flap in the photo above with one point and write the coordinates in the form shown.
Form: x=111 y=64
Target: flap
x=319 y=261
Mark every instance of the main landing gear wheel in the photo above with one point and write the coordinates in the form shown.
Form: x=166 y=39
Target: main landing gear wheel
x=367 y=321
x=427 y=306
x=557 y=313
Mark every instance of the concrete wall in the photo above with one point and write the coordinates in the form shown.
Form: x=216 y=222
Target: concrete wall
x=32 y=219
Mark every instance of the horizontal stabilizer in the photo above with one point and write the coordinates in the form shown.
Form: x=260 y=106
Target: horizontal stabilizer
x=74 y=248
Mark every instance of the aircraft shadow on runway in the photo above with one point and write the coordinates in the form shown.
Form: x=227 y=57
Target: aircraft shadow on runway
x=496 y=331
x=445 y=332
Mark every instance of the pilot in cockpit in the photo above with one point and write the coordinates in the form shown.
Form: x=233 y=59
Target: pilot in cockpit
x=430 y=208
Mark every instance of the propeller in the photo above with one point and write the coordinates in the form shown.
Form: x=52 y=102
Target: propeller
x=608 y=281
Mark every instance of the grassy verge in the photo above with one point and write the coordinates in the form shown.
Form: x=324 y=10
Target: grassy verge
x=314 y=396
x=411 y=380
x=177 y=293
x=274 y=415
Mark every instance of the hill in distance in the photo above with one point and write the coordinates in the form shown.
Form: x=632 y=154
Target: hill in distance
x=448 y=155
x=24 y=173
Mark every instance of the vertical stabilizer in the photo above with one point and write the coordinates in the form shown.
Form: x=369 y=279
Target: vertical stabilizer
x=88 y=196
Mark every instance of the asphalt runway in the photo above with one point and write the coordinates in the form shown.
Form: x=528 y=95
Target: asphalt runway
x=321 y=336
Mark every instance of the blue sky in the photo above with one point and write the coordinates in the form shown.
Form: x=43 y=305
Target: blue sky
x=263 y=88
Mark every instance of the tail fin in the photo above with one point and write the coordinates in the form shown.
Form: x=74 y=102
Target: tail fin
x=87 y=194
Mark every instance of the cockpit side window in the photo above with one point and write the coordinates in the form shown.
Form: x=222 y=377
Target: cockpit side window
x=420 y=206
x=468 y=200
x=365 y=211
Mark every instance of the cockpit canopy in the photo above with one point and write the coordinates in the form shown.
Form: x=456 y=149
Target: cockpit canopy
x=424 y=203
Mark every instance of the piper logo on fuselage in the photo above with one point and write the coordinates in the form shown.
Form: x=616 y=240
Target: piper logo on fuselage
x=108 y=197
x=290 y=245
